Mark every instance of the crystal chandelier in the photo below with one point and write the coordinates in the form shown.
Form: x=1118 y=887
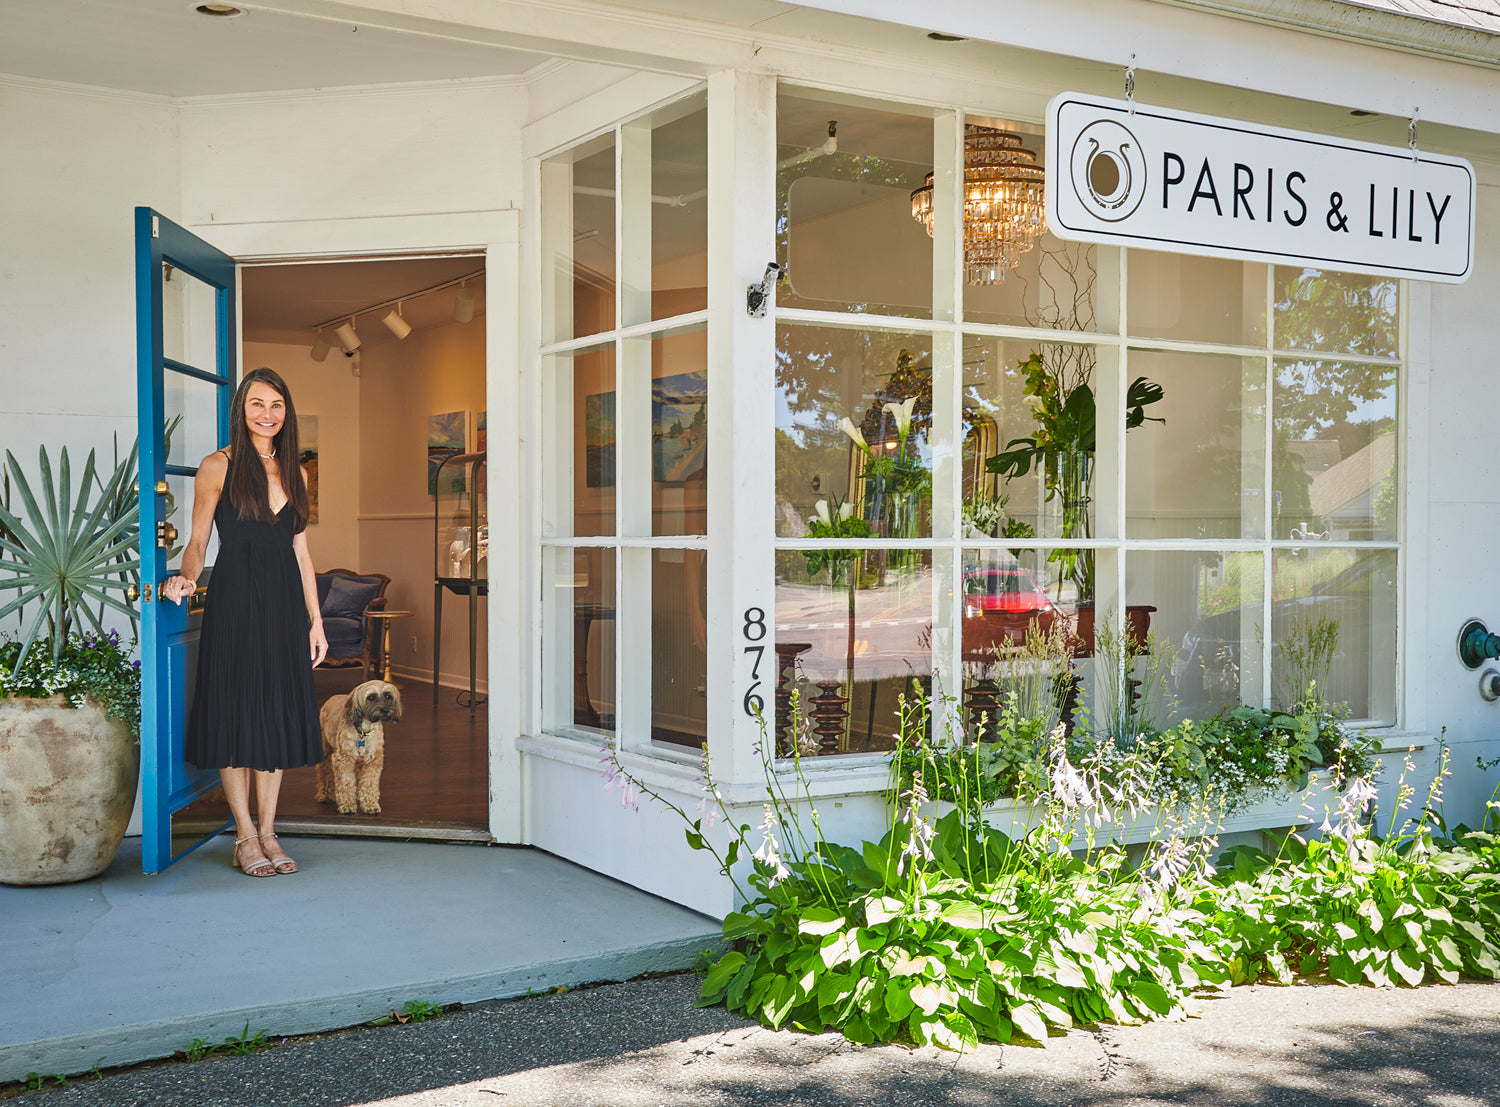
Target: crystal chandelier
x=1003 y=208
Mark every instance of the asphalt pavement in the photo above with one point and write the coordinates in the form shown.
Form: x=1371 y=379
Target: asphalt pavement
x=644 y=1043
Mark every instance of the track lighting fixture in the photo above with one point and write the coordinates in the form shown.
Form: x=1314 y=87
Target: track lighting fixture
x=321 y=346
x=346 y=336
x=396 y=324
x=463 y=304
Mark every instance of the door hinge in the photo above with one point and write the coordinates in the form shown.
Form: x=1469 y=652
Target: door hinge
x=156 y=226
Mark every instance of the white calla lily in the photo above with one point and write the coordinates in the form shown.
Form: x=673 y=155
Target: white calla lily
x=820 y=513
x=848 y=427
x=846 y=511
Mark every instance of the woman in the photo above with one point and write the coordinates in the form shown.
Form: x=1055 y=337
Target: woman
x=254 y=711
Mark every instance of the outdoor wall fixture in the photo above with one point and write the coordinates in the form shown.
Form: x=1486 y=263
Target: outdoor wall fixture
x=1003 y=203
x=1489 y=685
x=757 y=296
x=1476 y=644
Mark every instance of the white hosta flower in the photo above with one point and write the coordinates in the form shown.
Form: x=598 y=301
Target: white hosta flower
x=769 y=853
x=848 y=427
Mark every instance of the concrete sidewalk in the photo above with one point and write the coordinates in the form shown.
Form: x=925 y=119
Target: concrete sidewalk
x=128 y=967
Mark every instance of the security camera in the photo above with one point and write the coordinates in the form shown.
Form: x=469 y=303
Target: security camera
x=757 y=296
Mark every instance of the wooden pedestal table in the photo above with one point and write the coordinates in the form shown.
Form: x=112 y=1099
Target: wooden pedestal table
x=385 y=618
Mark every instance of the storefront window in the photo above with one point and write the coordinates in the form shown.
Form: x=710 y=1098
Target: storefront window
x=625 y=431
x=1195 y=299
x=1341 y=313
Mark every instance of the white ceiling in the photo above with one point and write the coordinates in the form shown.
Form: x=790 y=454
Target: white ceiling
x=286 y=303
x=167 y=48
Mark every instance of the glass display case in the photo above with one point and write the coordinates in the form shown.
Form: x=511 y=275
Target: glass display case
x=461 y=541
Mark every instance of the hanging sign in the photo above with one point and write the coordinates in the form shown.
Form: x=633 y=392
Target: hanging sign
x=1134 y=175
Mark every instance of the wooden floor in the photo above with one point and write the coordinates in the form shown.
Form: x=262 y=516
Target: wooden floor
x=436 y=763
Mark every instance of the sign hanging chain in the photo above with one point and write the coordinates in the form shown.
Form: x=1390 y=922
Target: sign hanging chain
x=1130 y=84
x=1411 y=132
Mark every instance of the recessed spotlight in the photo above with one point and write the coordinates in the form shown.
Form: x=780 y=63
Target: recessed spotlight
x=221 y=11
x=938 y=36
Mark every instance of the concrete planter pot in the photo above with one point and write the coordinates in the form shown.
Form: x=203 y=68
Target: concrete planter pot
x=68 y=779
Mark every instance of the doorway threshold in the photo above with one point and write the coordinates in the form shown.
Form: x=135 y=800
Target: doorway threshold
x=405 y=830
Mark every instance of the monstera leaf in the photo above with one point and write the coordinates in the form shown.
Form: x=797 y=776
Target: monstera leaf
x=70 y=552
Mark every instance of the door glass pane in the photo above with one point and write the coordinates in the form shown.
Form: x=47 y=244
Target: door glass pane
x=1334 y=626
x=1011 y=402
x=1197 y=299
x=191 y=408
x=1201 y=473
x=855 y=627
x=877 y=382
x=1334 y=460
x=177 y=509
x=679 y=636
x=1343 y=313
x=679 y=434
x=189 y=320
x=1205 y=607
x=844 y=219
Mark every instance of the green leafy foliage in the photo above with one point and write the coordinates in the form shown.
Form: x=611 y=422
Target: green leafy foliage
x=88 y=667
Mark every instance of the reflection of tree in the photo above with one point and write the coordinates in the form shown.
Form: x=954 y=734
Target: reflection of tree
x=1337 y=312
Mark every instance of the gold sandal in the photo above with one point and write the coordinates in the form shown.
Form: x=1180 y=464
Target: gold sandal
x=262 y=867
x=286 y=864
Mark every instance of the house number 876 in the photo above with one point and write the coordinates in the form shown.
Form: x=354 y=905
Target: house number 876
x=753 y=631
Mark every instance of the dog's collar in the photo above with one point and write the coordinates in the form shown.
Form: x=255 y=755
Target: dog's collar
x=366 y=726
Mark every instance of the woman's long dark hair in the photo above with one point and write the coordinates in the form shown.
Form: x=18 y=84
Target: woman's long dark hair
x=247 y=487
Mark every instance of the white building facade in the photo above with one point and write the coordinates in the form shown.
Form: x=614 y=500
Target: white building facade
x=659 y=449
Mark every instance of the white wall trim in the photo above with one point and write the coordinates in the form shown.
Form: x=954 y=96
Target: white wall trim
x=312 y=238
x=349 y=92
x=91 y=92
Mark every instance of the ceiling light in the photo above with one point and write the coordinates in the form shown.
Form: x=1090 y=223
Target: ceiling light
x=220 y=11
x=321 y=346
x=1003 y=203
x=346 y=336
x=463 y=304
x=395 y=324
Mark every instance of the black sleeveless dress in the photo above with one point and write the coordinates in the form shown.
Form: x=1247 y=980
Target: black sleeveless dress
x=254 y=705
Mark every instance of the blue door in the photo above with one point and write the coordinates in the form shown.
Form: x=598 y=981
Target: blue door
x=186 y=359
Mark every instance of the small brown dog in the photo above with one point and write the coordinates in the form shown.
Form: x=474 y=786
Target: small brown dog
x=354 y=746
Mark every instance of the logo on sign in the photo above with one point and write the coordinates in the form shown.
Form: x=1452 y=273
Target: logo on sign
x=1108 y=170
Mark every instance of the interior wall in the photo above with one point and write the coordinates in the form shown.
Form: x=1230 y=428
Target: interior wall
x=330 y=391
x=402 y=383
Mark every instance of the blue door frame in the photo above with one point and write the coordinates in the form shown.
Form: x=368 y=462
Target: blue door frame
x=169 y=631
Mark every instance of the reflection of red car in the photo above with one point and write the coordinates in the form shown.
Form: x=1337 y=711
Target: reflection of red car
x=1000 y=605
x=1002 y=589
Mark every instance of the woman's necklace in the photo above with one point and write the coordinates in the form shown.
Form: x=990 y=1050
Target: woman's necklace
x=268 y=456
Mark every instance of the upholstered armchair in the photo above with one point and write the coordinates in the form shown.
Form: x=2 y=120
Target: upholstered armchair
x=345 y=599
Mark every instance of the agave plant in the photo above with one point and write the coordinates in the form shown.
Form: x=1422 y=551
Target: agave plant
x=70 y=553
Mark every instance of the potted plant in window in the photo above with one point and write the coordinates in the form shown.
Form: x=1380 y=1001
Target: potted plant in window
x=69 y=693
x=1062 y=448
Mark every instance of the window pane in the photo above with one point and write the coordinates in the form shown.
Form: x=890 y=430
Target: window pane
x=679 y=639
x=679 y=215
x=679 y=434
x=1056 y=285
x=856 y=628
x=592 y=417
x=1197 y=299
x=1342 y=313
x=1008 y=593
x=585 y=596
x=844 y=219
x=1010 y=488
x=191 y=410
x=1201 y=474
x=877 y=381
x=1335 y=450
x=578 y=239
x=1354 y=592
x=1206 y=607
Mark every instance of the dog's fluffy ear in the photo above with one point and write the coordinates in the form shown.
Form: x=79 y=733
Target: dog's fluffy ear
x=352 y=712
x=395 y=695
